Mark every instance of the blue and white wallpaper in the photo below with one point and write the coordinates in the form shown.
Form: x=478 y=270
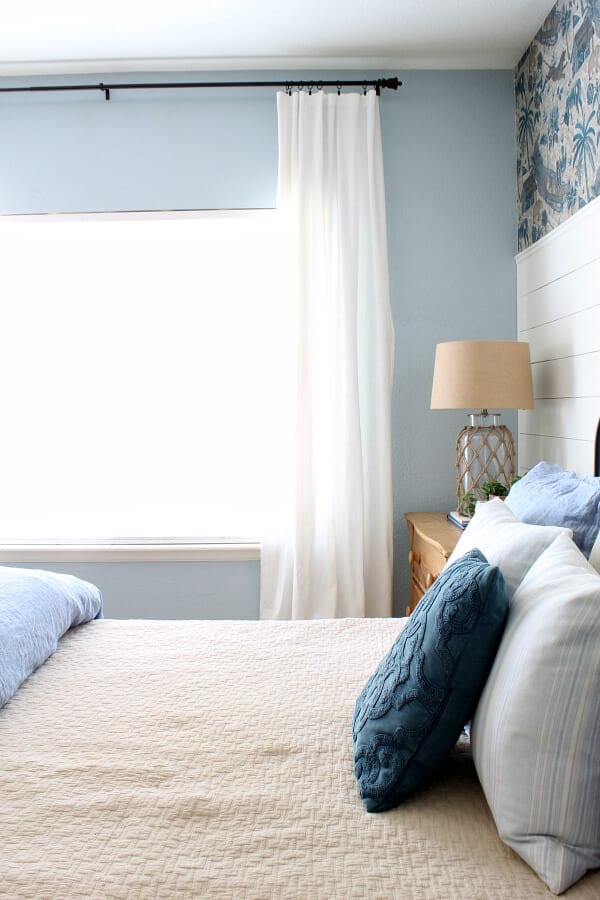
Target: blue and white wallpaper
x=557 y=93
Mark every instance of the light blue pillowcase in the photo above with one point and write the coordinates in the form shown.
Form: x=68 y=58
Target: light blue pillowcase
x=36 y=609
x=550 y=495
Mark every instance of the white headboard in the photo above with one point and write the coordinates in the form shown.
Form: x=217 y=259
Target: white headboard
x=558 y=285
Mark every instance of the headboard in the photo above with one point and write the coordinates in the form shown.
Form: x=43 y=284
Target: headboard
x=558 y=309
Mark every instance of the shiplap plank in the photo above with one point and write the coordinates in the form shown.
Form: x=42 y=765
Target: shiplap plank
x=571 y=336
x=570 y=294
x=558 y=283
x=577 y=456
x=574 y=376
x=572 y=245
x=564 y=418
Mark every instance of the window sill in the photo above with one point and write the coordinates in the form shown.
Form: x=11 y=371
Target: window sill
x=140 y=552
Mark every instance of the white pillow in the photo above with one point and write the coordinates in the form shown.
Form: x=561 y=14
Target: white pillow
x=536 y=730
x=505 y=541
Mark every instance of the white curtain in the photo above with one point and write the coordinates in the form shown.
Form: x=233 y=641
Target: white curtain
x=329 y=551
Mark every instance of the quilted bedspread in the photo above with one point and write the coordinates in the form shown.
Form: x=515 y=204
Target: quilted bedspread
x=214 y=759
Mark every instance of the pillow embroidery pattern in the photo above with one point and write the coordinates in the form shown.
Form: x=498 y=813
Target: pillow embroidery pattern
x=379 y=764
x=405 y=699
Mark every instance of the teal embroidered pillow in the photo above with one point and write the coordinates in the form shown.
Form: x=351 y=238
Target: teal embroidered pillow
x=413 y=708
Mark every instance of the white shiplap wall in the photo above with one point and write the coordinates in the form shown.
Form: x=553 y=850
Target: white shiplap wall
x=558 y=283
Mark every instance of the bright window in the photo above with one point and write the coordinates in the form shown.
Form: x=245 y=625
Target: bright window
x=139 y=375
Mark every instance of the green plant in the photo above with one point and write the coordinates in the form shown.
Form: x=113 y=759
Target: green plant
x=488 y=489
x=493 y=489
x=467 y=503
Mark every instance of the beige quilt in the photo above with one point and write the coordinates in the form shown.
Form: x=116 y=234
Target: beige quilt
x=214 y=759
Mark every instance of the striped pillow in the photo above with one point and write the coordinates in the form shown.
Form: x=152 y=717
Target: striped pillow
x=536 y=730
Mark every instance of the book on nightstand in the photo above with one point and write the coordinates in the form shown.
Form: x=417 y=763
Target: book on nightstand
x=458 y=519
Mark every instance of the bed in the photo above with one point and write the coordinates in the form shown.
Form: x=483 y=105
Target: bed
x=159 y=759
x=214 y=759
x=217 y=759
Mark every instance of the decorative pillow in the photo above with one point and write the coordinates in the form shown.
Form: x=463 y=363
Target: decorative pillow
x=549 y=495
x=413 y=708
x=505 y=541
x=536 y=732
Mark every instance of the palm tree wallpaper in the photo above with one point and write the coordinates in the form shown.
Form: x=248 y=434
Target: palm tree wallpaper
x=557 y=93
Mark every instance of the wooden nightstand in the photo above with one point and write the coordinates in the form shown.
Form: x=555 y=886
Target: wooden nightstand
x=432 y=540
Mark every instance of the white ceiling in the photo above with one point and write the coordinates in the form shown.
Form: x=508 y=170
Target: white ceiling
x=50 y=36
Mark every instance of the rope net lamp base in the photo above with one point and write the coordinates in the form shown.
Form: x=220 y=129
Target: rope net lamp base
x=485 y=451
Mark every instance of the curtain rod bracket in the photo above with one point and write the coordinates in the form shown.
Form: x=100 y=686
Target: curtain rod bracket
x=106 y=90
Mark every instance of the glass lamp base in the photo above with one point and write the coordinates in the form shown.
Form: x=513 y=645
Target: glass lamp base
x=485 y=452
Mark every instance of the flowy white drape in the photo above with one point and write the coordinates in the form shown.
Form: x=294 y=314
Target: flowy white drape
x=328 y=553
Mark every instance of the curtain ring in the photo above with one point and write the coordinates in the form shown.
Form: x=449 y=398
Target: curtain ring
x=364 y=88
x=310 y=89
x=339 y=88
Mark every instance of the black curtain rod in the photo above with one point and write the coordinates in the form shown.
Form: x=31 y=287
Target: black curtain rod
x=377 y=83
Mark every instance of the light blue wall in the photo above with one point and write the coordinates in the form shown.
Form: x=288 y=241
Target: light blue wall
x=169 y=149
x=176 y=590
x=450 y=188
x=449 y=147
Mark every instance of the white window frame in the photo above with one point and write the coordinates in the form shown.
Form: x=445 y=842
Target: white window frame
x=144 y=551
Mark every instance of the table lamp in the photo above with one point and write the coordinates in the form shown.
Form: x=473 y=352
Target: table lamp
x=482 y=375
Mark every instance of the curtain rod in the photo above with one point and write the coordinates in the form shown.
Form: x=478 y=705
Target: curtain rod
x=377 y=83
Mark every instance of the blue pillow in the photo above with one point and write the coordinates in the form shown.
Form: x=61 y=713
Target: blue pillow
x=413 y=708
x=549 y=495
x=36 y=609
